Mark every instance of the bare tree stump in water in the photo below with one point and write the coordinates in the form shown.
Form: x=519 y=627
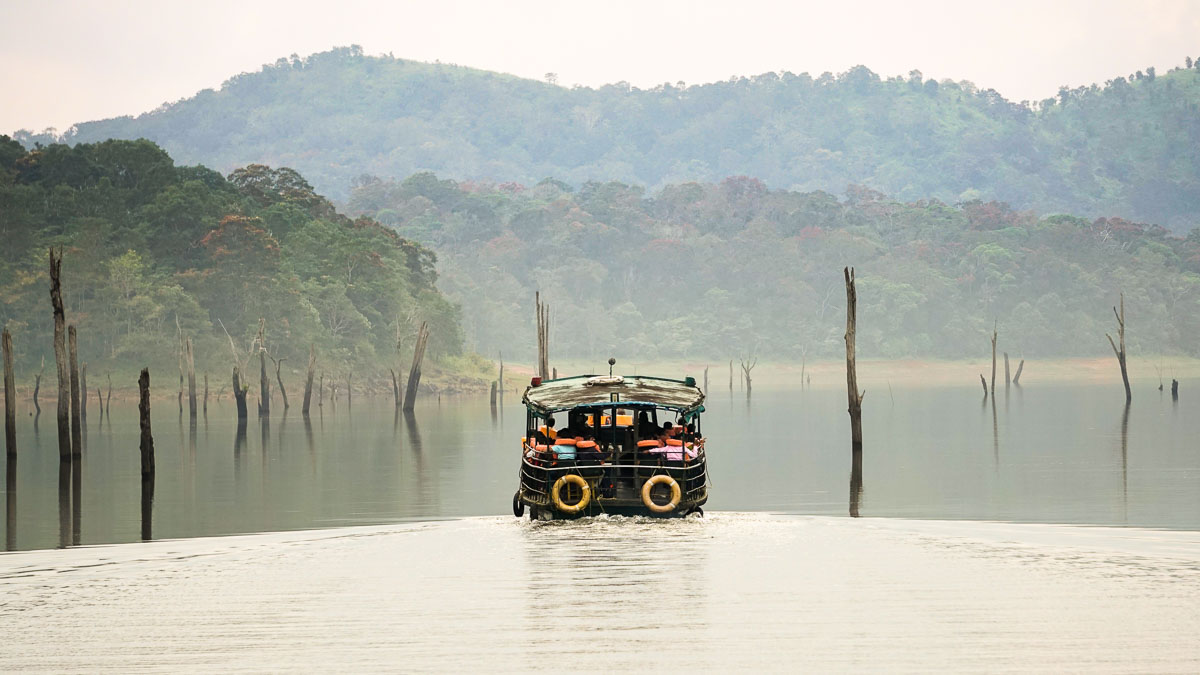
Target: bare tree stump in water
x=10 y=396
x=854 y=396
x=994 y=359
x=76 y=425
x=83 y=392
x=191 y=378
x=983 y=382
x=349 y=390
x=264 y=384
x=492 y=397
x=1174 y=390
x=1121 y=352
x=108 y=396
x=206 y=394
x=308 y=378
x=239 y=397
x=856 y=484
x=414 y=374
x=60 y=357
x=321 y=391
x=147 y=439
x=731 y=376
x=100 y=402
x=1017 y=377
x=500 y=386
x=396 y=387
x=1007 y=377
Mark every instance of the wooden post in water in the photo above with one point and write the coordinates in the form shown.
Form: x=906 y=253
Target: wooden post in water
x=1007 y=377
x=1174 y=389
x=76 y=428
x=206 y=394
x=414 y=374
x=83 y=392
x=994 y=334
x=1017 y=377
x=1121 y=352
x=308 y=378
x=854 y=396
x=60 y=358
x=147 y=439
x=10 y=396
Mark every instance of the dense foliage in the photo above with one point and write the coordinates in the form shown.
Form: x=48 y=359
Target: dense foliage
x=715 y=271
x=150 y=245
x=1127 y=148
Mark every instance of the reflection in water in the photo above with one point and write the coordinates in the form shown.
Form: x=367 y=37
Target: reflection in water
x=10 y=504
x=1125 y=459
x=76 y=500
x=856 y=481
x=995 y=436
x=64 y=504
x=147 y=507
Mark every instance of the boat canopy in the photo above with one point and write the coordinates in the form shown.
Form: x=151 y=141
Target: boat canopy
x=629 y=390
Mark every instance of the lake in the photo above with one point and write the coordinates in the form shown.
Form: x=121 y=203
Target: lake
x=1048 y=454
x=364 y=540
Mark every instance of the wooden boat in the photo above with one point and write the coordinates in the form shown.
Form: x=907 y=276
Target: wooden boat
x=614 y=454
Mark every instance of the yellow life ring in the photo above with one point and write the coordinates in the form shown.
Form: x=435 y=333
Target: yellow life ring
x=571 y=479
x=675 y=494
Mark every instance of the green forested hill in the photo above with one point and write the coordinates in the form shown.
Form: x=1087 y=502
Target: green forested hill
x=1128 y=148
x=721 y=270
x=150 y=246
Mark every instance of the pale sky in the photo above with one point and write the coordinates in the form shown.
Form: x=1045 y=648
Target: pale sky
x=68 y=62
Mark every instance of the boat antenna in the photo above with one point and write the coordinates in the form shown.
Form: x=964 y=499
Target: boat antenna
x=611 y=362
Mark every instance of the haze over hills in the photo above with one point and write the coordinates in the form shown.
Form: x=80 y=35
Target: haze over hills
x=1127 y=148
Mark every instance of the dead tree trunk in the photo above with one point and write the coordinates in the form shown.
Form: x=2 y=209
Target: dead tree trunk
x=10 y=396
x=60 y=357
x=395 y=387
x=83 y=393
x=706 y=380
x=279 y=381
x=543 y=337
x=312 y=363
x=264 y=386
x=731 y=376
x=147 y=441
x=492 y=396
x=1174 y=389
x=1017 y=377
x=76 y=427
x=191 y=378
x=1007 y=377
x=414 y=374
x=854 y=396
x=994 y=335
x=37 y=387
x=349 y=390
x=983 y=382
x=321 y=391
x=746 y=368
x=239 y=397
x=501 y=385
x=206 y=394
x=100 y=402
x=1121 y=351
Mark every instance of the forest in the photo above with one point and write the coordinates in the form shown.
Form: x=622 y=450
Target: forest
x=1124 y=148
x=154 y=251
x=724 y=270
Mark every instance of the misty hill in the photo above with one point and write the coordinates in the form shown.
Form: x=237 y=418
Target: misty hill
x=151 y=246
x=715 y=271
x=1127 y=149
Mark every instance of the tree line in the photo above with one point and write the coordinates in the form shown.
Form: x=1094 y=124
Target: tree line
x=1123 y=148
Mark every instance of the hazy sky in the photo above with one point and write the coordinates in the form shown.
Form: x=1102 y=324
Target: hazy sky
x=67 y=62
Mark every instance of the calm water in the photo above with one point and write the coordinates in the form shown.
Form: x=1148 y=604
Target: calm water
x=1051 y=454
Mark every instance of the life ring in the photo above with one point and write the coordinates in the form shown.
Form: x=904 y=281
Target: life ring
x=675 y=494
x=572 y=479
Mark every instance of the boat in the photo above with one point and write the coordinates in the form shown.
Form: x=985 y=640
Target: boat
x=631 y=445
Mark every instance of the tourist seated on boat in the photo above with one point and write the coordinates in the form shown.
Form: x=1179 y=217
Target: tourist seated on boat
x=564 y=447
x=645 y=427
x=546 y=433
x=588 y=450
x=673 y=448
x=690 y=435
x=668 y=429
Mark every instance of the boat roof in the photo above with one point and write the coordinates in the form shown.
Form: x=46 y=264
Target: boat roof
x=566 y=393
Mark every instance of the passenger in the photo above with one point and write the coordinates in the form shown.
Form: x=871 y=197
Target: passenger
x=668 y=429
x=645 y=427
x=690 y=435
x=546 y=434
